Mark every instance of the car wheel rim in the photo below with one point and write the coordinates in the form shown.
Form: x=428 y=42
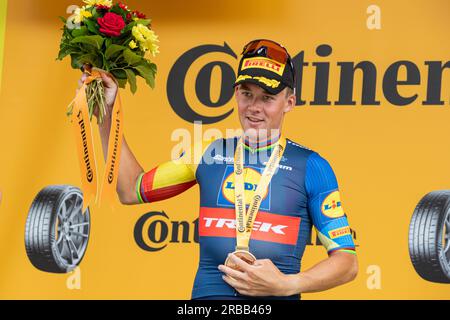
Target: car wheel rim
x=72 y=229
x=446 y=237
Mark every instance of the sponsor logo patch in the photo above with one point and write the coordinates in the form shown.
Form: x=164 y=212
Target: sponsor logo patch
x=331 y=205
x=252 y=176
x=263 y=63
x=220 y=222
x=340 y=232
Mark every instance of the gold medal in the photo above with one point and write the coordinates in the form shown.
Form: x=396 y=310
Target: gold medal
x=244 y=228
x=243 y=255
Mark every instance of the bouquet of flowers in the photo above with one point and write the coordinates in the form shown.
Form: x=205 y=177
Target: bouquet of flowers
x=113 y=38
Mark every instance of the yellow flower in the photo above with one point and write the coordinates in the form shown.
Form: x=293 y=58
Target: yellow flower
x=98 y=2
x=146 y=38
x=132 y=44
x=80 y=14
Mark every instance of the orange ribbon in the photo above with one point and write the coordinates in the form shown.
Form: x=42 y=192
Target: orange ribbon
x=86 y=152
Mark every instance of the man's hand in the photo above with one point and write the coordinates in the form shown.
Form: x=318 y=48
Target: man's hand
x=111 y=87
x=264 y=279
x=260 y=279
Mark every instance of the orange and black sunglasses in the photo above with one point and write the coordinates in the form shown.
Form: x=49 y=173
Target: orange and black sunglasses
x=269 y=49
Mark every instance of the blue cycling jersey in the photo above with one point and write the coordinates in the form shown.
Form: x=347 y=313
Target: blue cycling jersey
x=302 y=193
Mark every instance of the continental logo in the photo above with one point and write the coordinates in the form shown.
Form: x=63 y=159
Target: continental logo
x=427 y=77
x=154 y=231
x=87 y=161
x=340 y=232
x=268 y=82
x=331 y=205
x=263 y=63
x=114 y=153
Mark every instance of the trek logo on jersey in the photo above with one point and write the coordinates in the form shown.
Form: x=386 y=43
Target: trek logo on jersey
x=252 y=176
x=220 y=222
x=263 y=63
x=331 y=205
x=340 y=232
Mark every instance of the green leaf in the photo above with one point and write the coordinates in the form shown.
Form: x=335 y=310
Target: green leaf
x=87 y=58
x=112 y=50
x=132 y=80
x=131 y=58
x=146 y=72
x=145 y=22
x=122 y=83
x=65 y=51
x=95 y=41
x=85 y=48
x=64 y=20
x=92 y=26
x=74 y=61
x=82 y=31
x=118 y=10
x=119 y=74
x=153 y=67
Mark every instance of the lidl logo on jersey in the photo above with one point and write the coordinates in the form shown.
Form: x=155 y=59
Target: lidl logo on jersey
x=331 y=205
x=252 y=175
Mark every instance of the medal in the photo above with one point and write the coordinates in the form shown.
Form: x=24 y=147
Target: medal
x=242 y=254
x=244 y=228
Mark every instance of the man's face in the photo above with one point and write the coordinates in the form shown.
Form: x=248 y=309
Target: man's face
x=258 y=109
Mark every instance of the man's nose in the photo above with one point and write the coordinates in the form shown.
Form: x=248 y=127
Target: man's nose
x=255 y=105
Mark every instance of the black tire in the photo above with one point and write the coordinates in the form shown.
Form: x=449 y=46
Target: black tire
x=429 y=237
x=56 y=231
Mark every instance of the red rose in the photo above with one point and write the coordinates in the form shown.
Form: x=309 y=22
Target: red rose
x=111 y=24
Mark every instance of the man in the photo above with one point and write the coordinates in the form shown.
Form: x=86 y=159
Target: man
x=260 y=193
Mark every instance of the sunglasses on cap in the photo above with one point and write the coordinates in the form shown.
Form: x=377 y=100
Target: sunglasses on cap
x=269 y=49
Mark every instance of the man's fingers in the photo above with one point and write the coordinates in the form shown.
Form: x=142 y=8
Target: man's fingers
x=234 y=283
x=232 y=273
x=83 y=78
x=108 y=82
x=108 y=79
x=241 y=263
x=262 y=262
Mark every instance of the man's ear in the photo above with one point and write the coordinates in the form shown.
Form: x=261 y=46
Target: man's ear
x=290 y=103
x=236 y=88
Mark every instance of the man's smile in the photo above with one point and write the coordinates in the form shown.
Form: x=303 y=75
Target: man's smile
x=254 y=120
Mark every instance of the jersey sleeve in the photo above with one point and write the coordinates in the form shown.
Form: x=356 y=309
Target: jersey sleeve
x=170 y=178
x=325 y=206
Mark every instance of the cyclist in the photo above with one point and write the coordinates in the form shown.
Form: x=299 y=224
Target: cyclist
x=260 y=193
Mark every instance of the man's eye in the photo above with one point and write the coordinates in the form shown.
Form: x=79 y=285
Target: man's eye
x=245 y=93
x=268 y=98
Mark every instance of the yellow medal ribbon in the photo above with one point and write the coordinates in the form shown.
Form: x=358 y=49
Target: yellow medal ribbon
x=83 y=135
x=245 y=220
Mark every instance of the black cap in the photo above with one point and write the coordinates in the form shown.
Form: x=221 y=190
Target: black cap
x=267 y=73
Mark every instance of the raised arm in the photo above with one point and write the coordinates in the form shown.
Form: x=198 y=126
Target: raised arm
x=134 y=185
x=129 y=168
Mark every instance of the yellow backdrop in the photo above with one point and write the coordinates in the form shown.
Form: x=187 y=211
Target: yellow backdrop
x=386 y=157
